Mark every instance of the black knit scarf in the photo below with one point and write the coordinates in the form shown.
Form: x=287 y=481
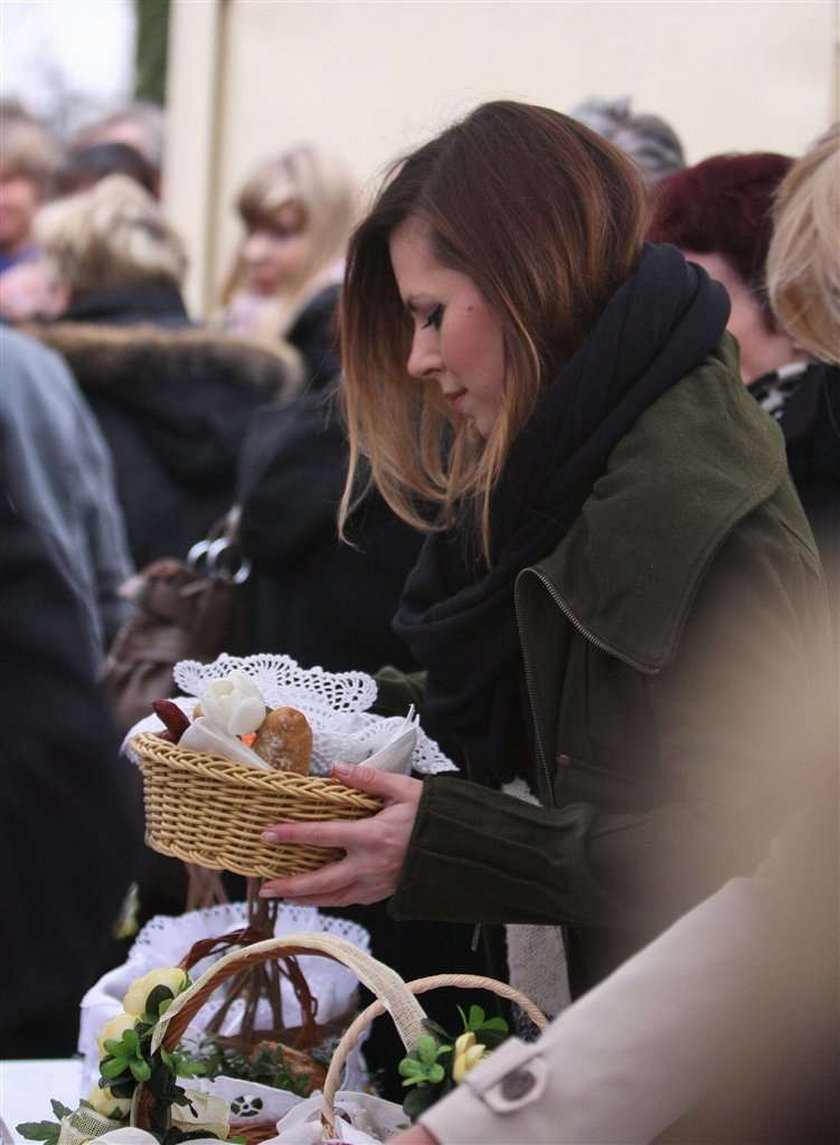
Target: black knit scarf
x=458 y=617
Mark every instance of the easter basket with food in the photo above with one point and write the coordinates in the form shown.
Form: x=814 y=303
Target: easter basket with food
x=144 y=1062
x=252 y=744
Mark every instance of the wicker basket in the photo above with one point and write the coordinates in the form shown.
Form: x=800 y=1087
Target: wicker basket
x=393 y=995
x=212 y=811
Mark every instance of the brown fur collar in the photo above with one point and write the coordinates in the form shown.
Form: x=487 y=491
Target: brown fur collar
x=106 y=357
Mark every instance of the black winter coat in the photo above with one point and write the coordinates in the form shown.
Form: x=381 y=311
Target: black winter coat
x=70 y=813
x=315 y=598
x=806 y=404
x=174 y=405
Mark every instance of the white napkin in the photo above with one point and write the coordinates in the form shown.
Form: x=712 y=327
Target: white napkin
x=202 y=735
x=392 y=751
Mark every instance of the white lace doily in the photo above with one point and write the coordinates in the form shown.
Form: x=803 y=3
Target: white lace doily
x=335 y=703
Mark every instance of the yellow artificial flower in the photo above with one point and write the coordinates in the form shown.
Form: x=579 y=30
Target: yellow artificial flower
x=104 y=1102
x=138 y=992
x=115 y=1029
x=468 y=1053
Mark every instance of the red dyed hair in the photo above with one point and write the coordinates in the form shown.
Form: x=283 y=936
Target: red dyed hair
x=725 y=205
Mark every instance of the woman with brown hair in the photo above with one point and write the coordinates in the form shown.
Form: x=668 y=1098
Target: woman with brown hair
x=618 y=596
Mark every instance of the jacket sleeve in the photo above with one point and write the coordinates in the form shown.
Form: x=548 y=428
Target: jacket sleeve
x=743 y=724
x=708 y=1006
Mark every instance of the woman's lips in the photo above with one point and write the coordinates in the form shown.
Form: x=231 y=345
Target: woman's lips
x=455 y=397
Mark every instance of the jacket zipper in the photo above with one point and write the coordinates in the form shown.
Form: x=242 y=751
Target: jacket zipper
x=594 y=640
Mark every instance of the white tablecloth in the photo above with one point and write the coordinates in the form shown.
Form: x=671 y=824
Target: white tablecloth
x=27 y=1086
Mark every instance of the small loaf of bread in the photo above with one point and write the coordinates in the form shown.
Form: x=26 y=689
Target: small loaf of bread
x=284 y=740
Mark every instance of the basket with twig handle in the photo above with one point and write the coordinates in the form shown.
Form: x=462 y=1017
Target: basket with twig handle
x=392 y=995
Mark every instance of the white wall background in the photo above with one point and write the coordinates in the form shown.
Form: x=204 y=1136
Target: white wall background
x=373 y=79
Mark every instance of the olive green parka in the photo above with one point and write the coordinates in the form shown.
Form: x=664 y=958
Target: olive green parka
x=679 y=681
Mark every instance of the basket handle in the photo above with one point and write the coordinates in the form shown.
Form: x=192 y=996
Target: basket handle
x=377 y=1007
x=380 y=979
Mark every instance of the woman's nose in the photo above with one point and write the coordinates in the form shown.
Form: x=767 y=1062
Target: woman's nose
x=424 y=360
x=255 y=247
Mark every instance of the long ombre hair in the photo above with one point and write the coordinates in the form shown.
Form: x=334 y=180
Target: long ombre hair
x=547 y=219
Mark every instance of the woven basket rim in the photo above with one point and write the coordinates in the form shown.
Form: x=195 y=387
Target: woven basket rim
x=150 y=748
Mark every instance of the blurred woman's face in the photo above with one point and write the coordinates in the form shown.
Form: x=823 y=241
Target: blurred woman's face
x=458 y=342
x=274 y=251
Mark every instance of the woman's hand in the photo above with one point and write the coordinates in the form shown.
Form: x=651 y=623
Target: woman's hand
x=375 y=847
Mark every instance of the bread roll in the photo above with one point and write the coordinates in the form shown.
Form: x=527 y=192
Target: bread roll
x=284 y=740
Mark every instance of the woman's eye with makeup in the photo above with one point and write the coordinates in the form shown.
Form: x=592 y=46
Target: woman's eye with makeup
x=435 y=318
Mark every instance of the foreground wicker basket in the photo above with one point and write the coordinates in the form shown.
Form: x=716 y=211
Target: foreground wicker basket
x=393 y=995
x=212 y=811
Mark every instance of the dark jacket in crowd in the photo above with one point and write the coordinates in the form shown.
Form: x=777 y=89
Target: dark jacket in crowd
x=62 y=478
x=313 y=597
x=678 y=685
x=174 y=404
x=70 y=815
x=805 y=400
x=314 y=334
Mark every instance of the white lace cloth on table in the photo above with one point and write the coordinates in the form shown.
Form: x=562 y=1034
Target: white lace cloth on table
x=165 y=940
x=335 y=703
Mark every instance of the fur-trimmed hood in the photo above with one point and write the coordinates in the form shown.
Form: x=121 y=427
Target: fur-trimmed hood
x=189 y=392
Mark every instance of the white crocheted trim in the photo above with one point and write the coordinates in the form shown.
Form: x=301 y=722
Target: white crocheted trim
x=335 y=703
x=164 y=941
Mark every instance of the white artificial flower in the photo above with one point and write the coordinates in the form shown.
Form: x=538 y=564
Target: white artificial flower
x=138 y=992
x=234 y=705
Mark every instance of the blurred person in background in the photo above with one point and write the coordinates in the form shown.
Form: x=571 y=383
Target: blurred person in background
x=29 y=161
x=719 y=213
x=60 y=474
x=70 y=816
x=85 y=166
x=298 y=209
x=803 y=284
x=651 y=143
x=173 y=401
x=731 y=1014
x=140 y=126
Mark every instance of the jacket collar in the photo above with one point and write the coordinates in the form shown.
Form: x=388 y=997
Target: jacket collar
x=695 y=464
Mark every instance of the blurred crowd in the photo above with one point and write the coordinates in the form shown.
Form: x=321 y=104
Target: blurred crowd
x=130 y=429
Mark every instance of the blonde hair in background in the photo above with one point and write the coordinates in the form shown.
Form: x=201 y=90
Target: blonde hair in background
x=803 y=264
x=110 y=236
x=326 y=193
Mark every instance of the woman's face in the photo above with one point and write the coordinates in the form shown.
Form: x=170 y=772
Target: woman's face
x=274 y=251
x=457 y=342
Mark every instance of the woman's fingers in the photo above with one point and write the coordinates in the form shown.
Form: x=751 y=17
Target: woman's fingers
x=391 y=788
x=374 y=847
x=336 y=833
x=330 y=879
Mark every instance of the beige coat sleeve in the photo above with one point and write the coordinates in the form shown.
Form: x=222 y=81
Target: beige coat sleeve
x=638 y=1051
